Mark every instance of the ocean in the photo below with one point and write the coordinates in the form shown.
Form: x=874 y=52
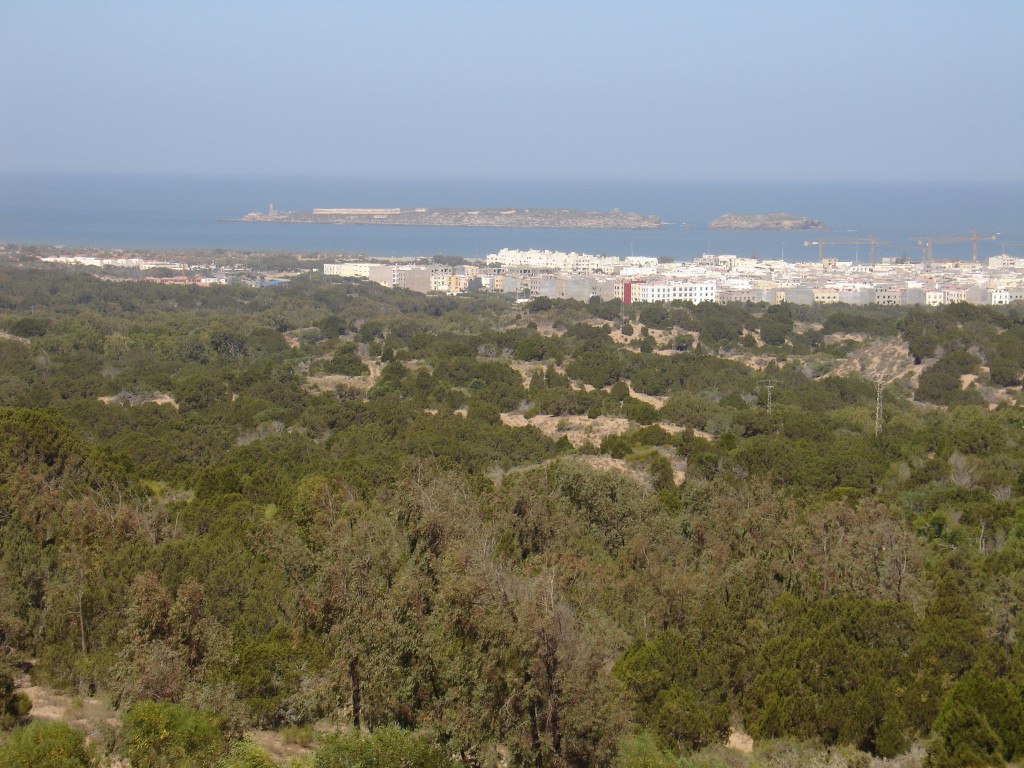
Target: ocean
x=186 y=213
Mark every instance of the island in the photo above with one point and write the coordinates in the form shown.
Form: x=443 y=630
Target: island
x=462 y=217
x=765 y=221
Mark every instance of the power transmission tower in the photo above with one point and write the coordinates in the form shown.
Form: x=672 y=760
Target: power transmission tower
x=769 y=385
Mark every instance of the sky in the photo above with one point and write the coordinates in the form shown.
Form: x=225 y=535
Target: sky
x=674 y=90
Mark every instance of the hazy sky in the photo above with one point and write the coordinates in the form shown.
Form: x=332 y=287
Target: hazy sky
x=872 y=90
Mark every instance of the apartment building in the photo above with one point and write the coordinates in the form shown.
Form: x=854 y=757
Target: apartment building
x=668 y=290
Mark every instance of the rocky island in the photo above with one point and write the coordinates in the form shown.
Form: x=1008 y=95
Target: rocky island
x=765 y=221
x=462 y=217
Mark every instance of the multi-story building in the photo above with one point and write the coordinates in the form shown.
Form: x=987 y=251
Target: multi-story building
x=423 y=279
x=384 y=274
x=667 y=290
x=889 y=296
x=349 y=269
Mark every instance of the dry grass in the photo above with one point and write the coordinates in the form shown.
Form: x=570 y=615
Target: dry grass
x=284 y=746
x=94 y=716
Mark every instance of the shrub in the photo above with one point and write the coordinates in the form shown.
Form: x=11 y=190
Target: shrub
x=46 y=745
x=389 y=747
x=13 y=705
x=162 y=735
x=245 y=754
x=642 y=751
x=966 y=740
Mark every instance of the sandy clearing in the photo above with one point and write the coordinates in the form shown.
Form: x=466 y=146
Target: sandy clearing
x=582 y=430
x=579 y=430
x=87 y=713
x=130 y=398
x=11 y=337
x=526 y=369
x=655 y=400
x=887 y=360
x=740 y=741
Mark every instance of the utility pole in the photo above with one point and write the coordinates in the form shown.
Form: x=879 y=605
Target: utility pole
x=879 y=386
x=769 y=385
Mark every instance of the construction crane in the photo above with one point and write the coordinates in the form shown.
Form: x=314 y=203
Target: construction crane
x=870 y=241
x=928 y=242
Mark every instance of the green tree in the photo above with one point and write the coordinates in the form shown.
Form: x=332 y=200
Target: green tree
x=677 y=691
x=965 y=740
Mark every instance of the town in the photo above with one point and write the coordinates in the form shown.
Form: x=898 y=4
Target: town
x=999 y=280
x=526 y=274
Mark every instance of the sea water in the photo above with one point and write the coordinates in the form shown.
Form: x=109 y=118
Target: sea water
x=190 y=213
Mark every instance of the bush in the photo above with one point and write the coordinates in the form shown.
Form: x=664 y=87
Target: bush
x=389 y=747
x=344 y=362
x=13 y=705
x=162 y=735
x=46 y=745
x=642 y=751
x=245 y=754
x=966 y=740
x=29 y=327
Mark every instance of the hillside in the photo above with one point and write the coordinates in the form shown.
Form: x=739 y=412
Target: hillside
x=342 y=519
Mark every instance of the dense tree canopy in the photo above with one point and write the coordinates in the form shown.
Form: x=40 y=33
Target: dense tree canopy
x=227 y=507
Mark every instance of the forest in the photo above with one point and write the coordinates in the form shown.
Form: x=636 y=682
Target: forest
x=394 y=529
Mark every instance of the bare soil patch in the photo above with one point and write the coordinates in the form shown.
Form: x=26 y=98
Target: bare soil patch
x=88 y=714
x=132 y=398
x=330 y=382
x=885 y=360
x=11 y=337
x=655 y=400
x=741 y=742
x=526 y=369
x=579 y=430
x=839 y=338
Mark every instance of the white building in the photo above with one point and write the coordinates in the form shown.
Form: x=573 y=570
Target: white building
x=348 y=269
x=668 y=290
x=1003 y=262
x=566 y=262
